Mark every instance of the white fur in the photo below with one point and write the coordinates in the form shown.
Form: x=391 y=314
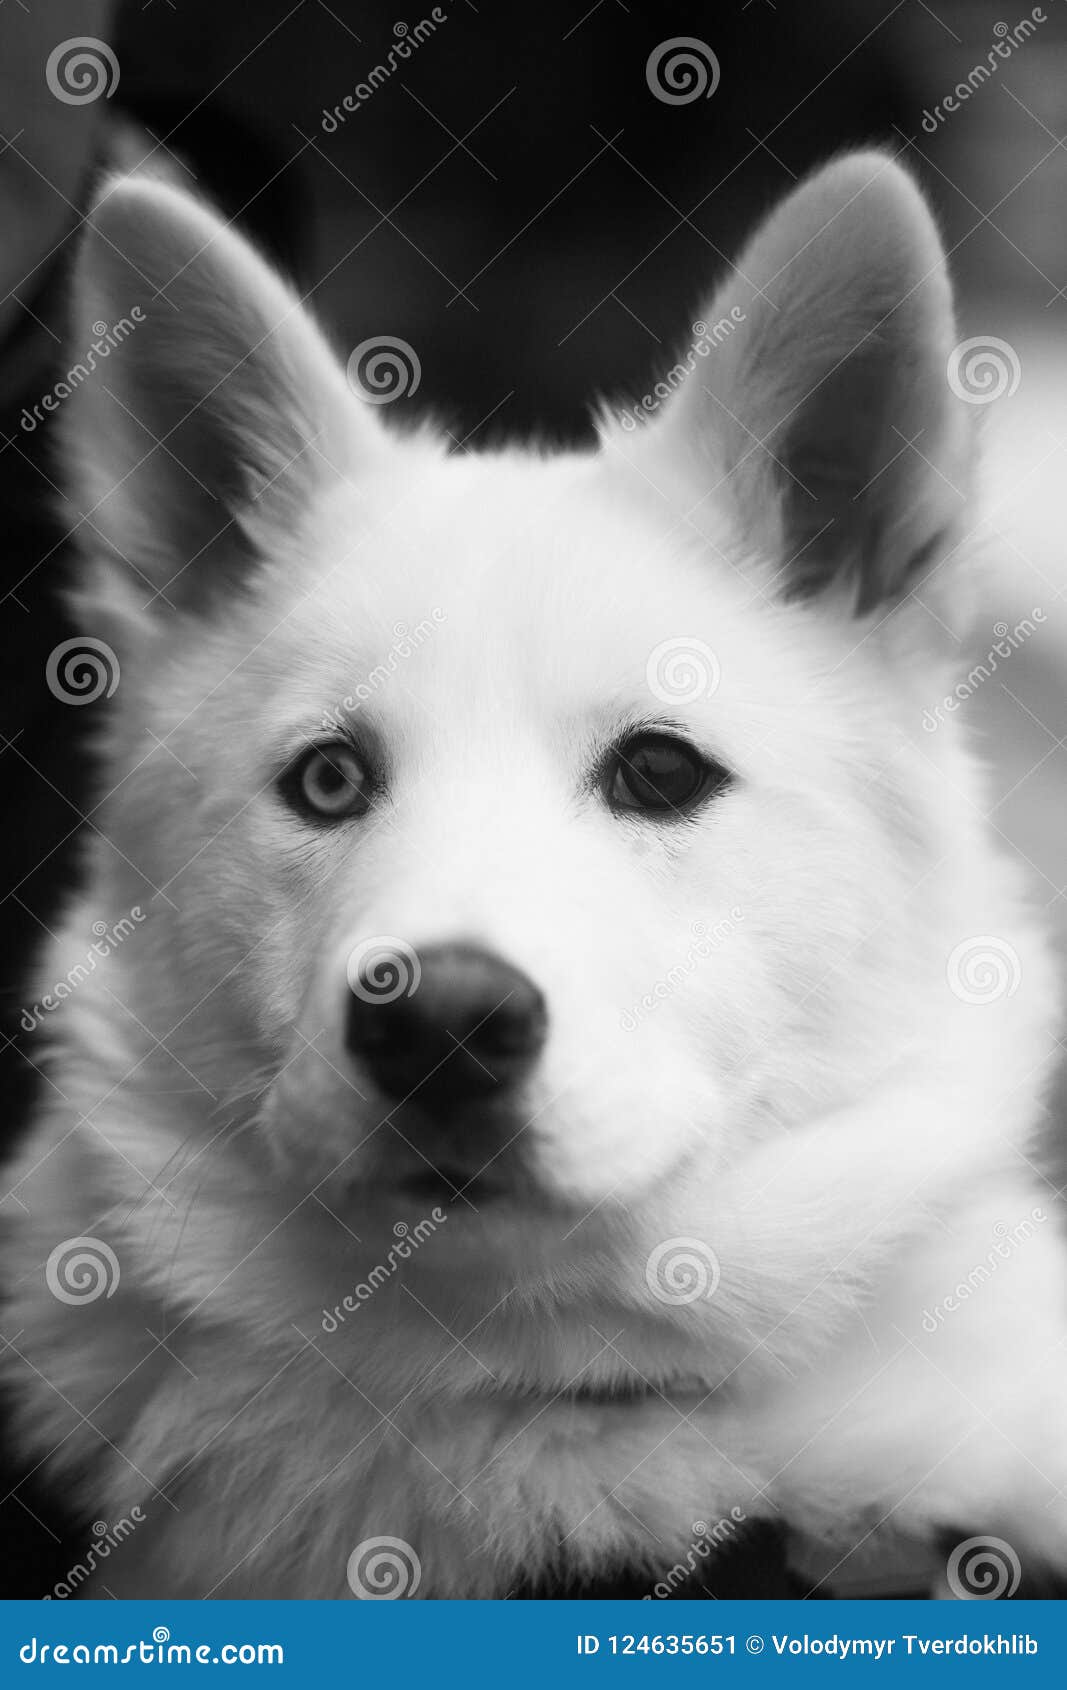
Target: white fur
x=811 y=1100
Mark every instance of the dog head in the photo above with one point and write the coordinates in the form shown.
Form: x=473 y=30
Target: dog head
x=523 y=824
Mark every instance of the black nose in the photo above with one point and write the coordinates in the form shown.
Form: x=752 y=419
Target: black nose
x=471 y=1025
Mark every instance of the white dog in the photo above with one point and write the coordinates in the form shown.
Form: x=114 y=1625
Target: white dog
x=572 y=1034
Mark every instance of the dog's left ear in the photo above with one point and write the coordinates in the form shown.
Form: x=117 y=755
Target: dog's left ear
x=220 y=411
x=818 y=398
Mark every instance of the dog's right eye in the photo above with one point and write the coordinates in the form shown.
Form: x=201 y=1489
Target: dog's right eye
x=329 y=782
x=657 y=774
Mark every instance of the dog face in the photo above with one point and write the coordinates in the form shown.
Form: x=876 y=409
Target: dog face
x=527 y=826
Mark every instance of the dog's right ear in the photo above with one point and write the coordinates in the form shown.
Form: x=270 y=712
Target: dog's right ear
x=210 y=407
x=820 y=403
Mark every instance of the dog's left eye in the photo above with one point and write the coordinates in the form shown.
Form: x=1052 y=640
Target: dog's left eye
x=656 y=774
x=329 y=781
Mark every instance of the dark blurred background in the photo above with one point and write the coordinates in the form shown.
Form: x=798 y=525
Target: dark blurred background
x=517 y=204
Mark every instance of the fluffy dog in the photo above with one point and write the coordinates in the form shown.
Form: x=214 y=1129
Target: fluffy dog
x=580 y=1033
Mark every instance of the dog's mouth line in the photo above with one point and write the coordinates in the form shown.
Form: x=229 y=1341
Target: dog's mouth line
x=456 y=1185
x=621 y=1394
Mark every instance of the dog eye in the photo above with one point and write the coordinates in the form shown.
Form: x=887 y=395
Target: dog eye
x=656 y=774
x=328 y=781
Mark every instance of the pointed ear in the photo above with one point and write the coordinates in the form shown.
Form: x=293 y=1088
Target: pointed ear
x=822 y=405
x=209 y=408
